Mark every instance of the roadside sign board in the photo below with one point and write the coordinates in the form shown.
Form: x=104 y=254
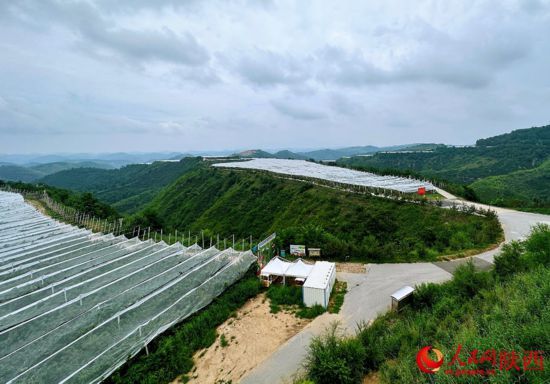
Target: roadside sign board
x=314 y=252
x=298 y=250
x=267 y=240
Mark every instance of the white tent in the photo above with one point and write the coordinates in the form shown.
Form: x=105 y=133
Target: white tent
x=281 y=267
x=276 y=267
x=299 y=269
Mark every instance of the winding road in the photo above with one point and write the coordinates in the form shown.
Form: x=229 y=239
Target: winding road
x=369 y=293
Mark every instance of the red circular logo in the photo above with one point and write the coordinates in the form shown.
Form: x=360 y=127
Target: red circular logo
x=425 y=363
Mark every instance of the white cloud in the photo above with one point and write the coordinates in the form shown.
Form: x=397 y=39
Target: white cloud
x=244 y=73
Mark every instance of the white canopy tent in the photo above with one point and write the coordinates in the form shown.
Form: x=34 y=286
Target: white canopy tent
x=299 y=270
x=283 y=268
x=276 y=267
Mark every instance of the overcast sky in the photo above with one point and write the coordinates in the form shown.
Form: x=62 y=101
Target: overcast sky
x=79 y=76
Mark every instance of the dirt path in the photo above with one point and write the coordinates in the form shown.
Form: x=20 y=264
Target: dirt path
x=252 y=336
x=38 y=205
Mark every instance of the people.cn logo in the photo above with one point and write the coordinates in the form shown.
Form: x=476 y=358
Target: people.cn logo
x=425 y=362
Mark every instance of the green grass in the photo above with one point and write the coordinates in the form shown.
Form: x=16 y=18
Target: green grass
x=337 y=296
x=507 y=309
x=285 y=294
x=310 y=312
x=171 y=354
x=289 y=297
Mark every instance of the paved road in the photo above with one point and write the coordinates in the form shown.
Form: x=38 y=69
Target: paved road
x=368 y=294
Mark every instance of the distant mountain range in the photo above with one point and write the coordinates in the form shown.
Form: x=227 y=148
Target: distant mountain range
x=30 y=173
x=335 y=154
x=117 y=159
x=30 y=168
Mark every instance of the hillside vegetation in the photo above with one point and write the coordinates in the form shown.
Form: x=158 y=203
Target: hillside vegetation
x=506 y=310
x=510 y=154
x=343 y=224
x=129 y=188
x=10 y=172
x=515 y=188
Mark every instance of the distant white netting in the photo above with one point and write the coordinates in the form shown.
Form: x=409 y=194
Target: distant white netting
x=330 y=173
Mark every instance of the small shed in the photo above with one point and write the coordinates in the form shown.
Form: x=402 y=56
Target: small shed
x=401 y=298
x=319 y=284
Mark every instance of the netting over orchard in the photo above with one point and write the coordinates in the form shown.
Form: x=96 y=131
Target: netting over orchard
x=74 y=305
x=335 y=174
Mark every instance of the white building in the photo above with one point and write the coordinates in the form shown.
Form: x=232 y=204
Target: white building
x=319 y=284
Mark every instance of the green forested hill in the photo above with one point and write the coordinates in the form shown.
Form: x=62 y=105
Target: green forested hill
x=516 y=188
x=9 y=172
x=510 y=154
x=128 y=188
x=49 y=168
x=30 y=173
x=519 y=150
x=366 y=228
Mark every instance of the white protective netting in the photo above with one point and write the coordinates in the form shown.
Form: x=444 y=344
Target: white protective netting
x=75 y=305
x=335 y=174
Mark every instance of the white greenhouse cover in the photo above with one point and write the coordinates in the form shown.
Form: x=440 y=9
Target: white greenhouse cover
x=75 y=305
x=330 y=173
x=195 y=247
x=299 y=269
x=319 y=277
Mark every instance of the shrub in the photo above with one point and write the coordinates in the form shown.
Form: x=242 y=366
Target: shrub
x=467 y=282
x=310 y=312
x=223 y=341
x=425 y=295
x=538 y=245
x=509 y=260
x=333 y=359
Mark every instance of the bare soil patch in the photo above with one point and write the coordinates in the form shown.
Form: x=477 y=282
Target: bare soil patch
x=249 y=338
x=351 y=267
x=372 y=378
